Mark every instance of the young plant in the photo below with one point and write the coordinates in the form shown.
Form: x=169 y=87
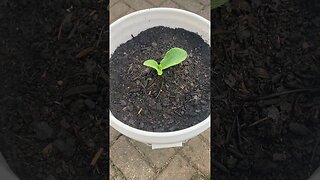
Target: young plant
x=173 y=57
x=217 y=3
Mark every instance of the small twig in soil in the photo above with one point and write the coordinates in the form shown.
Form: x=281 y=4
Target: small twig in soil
x=177 y=113
x=92 y=12
x=226 y=53
x=56 y=102
x=293 y=106
x=67 y=18
x=73 y=29
x=238 y=130
x=47 y=150
x=235 y=153
x=96 y=168
x=96 y=157
x=100 y=35
x=80 y=90
x=259 y=121
x=160 y=89
x=288 y=92
x=103 y=74
x=83 y=53
x=314 y=149
x=219 y=166
x=129 y=69
x=140 y=111
x=230 y=131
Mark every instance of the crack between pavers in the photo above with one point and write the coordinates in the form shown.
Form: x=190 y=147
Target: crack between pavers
x=205 y=140
x=168 y=162
x=117 y=170
x=146 y=159
x=114 y=141
x=124 y=2
x=122 y=14
x=157 y=171
x=204 y=4
x=185 y=8
x=155 y=6
x=191 y=163
x=197 y=173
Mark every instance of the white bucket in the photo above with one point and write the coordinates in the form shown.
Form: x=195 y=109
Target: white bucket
x=132 y=24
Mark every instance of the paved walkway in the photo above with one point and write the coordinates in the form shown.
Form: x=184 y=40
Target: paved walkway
x=130 y=159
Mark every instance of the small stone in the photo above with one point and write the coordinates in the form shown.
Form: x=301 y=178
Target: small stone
x=90 y=66
x=166 y=102
x=273 y=113
x=231 y=162
x=276 y=78
x=130 y=108
x=245 y=34
x=145 y=112
x=172 y=128
x=51 y=177
x=203 y=102
x=64 y=124
x=77 y=106
x=146 y=71
x=161 y=129
x=90 y=143
x=154 y=44
x=89 y=103
x=123 y=103
x=166 y=116
x=295 y=36
x=299 y=129
x=152 y=102
x=138 y=82
x=265 y=166
x=89 y=80
x=43 y=130
x=158 y=106
x=60 y=83
x=95 y=17
x=66 y=148
x=244 y=164
x=141 y=125
x=305 y=45
x=279 y=157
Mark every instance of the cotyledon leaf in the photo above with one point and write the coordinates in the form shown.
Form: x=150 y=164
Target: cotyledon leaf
x=153 y=64
x=173 y=57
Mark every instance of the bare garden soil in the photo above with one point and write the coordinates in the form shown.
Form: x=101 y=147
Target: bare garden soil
x=265 y=96
x=54 y=88
x=177 y=99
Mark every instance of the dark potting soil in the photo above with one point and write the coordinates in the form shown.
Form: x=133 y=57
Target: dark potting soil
x=176 y=100
x=266 y=99
x=54 y=88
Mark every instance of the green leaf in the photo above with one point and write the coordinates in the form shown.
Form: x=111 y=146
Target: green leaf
x=173 y=57
x=153 y=64
x=217 y=3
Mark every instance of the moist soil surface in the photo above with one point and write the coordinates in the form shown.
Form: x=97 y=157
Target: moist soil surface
x=265 y=91
x=54 y=88
x=177 y=99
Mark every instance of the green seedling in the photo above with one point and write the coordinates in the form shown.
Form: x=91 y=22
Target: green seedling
x=173 y=57
x=217 y=3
